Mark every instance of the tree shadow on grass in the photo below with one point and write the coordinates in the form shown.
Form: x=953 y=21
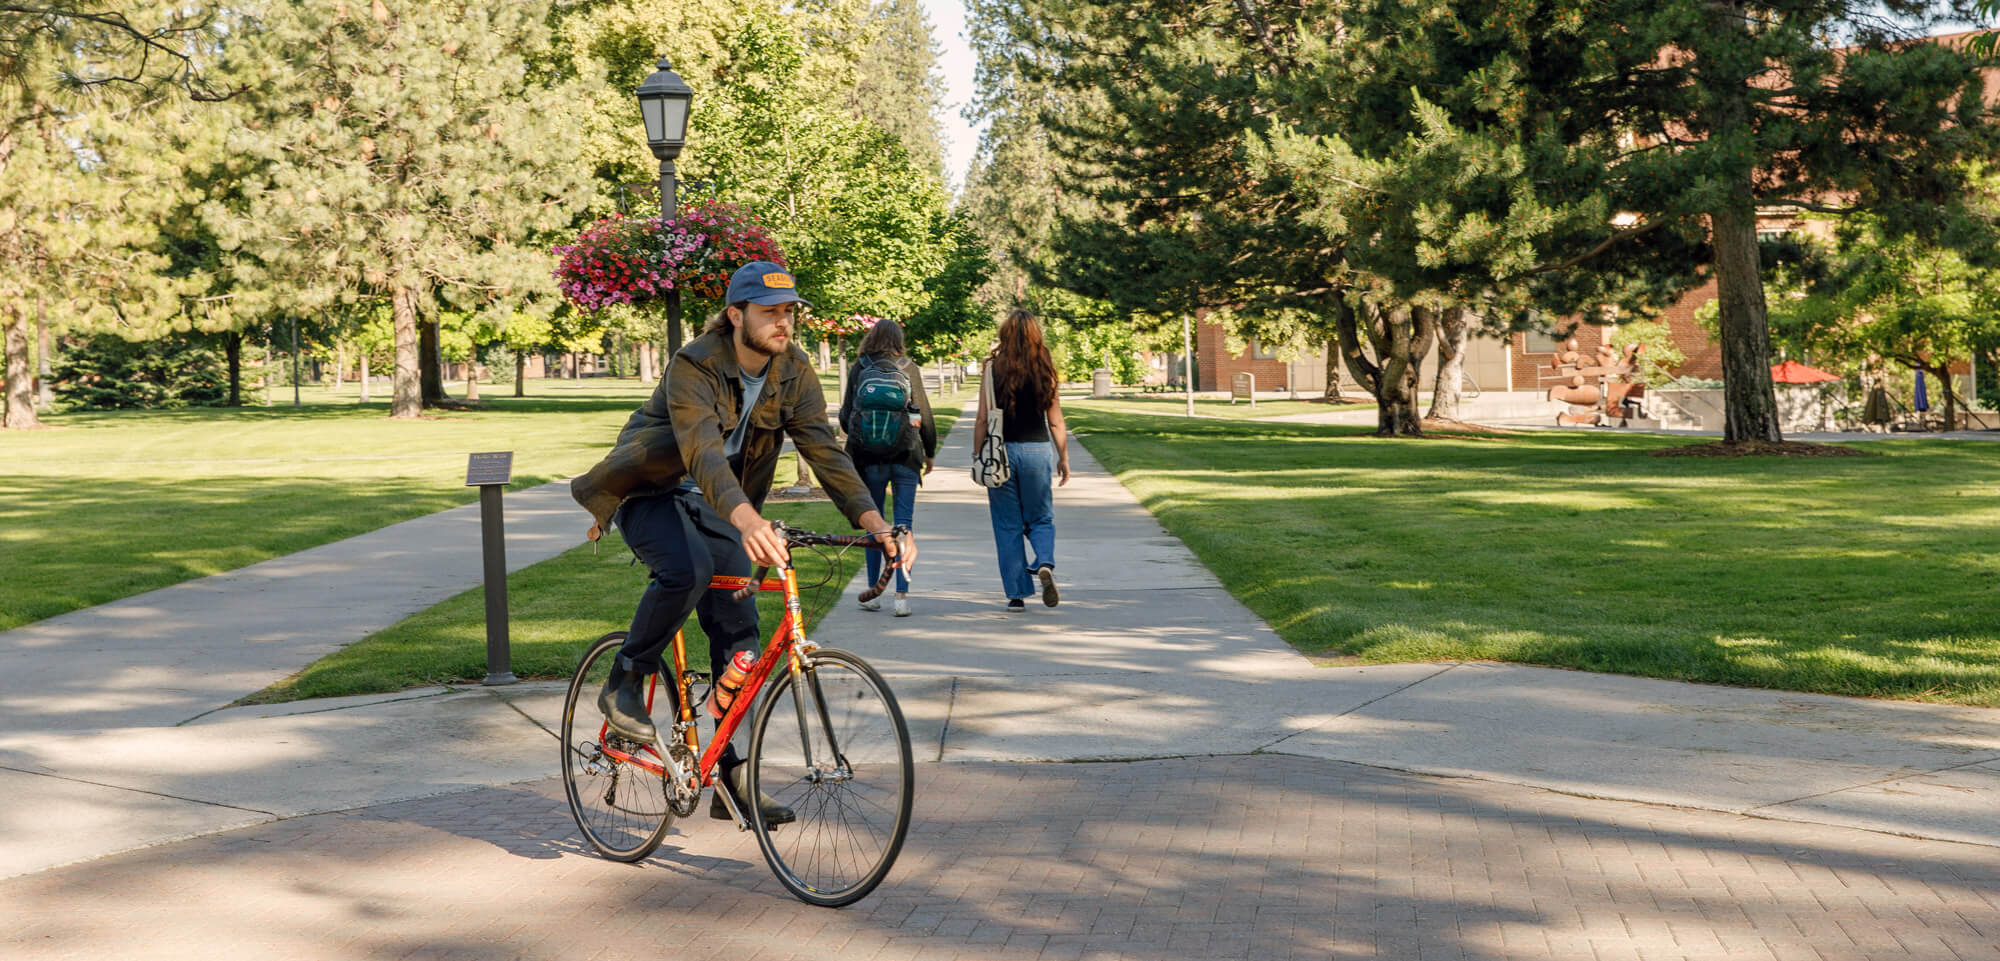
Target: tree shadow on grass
x=1868 y=576
x=91 y=543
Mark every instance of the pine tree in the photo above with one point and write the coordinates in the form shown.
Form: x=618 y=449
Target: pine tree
x=897 y=86
x=77 y=225
x=409 y=151
x=1154 y=118
x=1565 y=153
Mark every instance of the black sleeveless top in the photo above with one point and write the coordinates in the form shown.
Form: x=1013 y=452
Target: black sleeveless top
x=1026 y=423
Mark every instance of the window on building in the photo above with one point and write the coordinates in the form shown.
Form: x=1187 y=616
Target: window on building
x=1260 y=352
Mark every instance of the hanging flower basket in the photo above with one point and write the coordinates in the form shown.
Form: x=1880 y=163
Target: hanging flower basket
x=637 y=260
x=833 y=328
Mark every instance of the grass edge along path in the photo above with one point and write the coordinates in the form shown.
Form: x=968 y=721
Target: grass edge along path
x=1868 y=576
x=556 y=607
x=112 y=504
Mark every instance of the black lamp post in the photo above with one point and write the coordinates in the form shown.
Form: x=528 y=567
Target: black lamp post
x=664 y=99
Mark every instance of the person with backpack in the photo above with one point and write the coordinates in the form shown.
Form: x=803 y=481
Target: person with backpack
x=891 y=435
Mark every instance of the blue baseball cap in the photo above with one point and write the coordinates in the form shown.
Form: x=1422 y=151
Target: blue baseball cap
x=764 y=283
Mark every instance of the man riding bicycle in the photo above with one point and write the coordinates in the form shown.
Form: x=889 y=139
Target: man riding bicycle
x=686 y=483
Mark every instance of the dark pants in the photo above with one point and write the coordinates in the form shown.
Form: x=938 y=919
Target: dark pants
x=683 y=541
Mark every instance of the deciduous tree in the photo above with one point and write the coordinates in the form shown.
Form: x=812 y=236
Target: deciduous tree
x=410 y=151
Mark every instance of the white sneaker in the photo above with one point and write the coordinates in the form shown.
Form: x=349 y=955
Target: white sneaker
x=874 y=605
x=902 y=608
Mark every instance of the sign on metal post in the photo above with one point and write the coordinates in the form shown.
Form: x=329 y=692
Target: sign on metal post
x=490 y=472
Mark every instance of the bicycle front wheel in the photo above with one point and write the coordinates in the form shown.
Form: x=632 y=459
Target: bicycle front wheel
x=616 y=786
x=830 y=743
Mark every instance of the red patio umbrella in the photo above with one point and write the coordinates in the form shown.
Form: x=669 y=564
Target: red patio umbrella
x=1793 y=372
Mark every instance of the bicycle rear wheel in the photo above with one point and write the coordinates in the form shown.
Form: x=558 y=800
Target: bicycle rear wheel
x=830 y=744
x=621 y=807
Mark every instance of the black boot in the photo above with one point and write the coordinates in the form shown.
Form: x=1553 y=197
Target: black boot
x=623 y=702
x=732 y=781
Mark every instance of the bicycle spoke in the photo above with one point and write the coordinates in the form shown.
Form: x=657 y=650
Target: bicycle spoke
x=622 y=808
x=852 y=817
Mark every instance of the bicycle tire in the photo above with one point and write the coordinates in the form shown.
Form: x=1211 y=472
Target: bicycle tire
x=853 y=807
x=621 y=808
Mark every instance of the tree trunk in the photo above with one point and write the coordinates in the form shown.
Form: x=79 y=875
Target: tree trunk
x=232 y=348
x=339 y=365
x=1333 y=365
x=365 y=398
x=1750 y=404
x=45 y=396
x=20 y=388
x=1452 y=331
x=1398 y=337
x=408 y=388
x=1410 y=334
x=430 y=359
x=520 y=374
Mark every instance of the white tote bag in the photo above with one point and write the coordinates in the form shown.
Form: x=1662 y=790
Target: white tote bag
x=989 y=462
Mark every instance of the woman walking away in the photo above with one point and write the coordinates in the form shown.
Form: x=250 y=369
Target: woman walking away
x=1024 y=388
x=890 y=435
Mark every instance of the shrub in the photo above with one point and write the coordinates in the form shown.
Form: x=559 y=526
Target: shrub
x=107 y=372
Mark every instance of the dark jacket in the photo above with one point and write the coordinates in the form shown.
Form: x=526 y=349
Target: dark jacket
x=680 y=431
x=914 y=456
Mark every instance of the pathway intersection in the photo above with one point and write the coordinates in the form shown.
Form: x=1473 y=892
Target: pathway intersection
x=1145 y=771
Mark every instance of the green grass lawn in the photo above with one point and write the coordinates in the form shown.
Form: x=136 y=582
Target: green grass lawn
x=1873 y=576
x=556 y=608
x=1175 y=405
x=110 y=504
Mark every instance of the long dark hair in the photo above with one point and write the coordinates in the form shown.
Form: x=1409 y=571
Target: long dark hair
x=885 y=339
x=1025 y=374
x=720 y=320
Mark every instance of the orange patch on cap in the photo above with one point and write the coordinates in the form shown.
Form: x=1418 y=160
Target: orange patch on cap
x=778 y=280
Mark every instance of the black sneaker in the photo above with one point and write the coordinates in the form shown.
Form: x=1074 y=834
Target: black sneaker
x=1048 y=577
x=1016 y=605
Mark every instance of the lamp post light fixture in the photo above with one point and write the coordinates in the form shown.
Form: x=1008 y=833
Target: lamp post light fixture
x=664 y=99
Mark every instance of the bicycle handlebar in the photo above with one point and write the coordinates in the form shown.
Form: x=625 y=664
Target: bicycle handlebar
x=799 y=537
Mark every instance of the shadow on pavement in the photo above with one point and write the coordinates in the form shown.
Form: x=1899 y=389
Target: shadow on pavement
x=1178 y=860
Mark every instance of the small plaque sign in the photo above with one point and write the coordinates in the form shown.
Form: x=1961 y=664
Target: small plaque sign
x=1243 y=385
x=495 y=467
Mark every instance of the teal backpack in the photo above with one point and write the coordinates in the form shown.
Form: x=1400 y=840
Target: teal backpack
x=881 y=407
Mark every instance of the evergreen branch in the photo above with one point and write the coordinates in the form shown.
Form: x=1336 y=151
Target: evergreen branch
x=1602 y=246
x=149 y=43
x=1260 y=31
x=1814 y=207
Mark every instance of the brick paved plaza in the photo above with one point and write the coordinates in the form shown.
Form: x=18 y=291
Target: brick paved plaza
x=1257 y=856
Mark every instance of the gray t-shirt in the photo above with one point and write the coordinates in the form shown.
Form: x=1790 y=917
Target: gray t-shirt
x=753 y=388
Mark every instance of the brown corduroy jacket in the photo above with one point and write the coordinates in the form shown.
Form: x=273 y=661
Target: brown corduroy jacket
x=681 y=429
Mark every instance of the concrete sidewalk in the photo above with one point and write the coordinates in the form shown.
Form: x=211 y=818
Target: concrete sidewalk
x=1146 y=657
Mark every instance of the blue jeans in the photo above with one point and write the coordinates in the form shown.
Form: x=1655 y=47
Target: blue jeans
x=1025 y=508
x=903 y=479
